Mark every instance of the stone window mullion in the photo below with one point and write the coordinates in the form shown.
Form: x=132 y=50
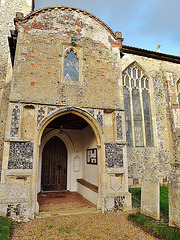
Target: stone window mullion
x=142 y=114
x=132 y=116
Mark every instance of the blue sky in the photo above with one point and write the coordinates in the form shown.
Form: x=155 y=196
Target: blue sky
x=143 y=23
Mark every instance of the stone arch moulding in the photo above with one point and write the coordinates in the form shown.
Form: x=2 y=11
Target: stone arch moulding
x=135 y=63
x=67 y=49
x=69 y=145
x=77 y=111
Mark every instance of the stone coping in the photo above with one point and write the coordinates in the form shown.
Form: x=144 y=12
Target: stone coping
x=88 y=185
x=18 y=172
x=19 y=17
x=117 y=171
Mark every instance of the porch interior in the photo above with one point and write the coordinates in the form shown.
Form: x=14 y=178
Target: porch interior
x=63 y=183
x=63 y=203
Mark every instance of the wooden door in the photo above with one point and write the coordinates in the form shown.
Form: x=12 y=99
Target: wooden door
x=54 y=165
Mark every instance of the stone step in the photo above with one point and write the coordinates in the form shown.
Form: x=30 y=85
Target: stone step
x=65 y=212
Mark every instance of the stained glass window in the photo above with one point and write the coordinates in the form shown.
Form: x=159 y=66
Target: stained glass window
x=71 y=67
x=137 y=107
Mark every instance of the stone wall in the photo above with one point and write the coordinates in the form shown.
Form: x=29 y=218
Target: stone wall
x=43 y=41
x=40 y=91
x=174 y=196
x=3 y=116
x=8 y=13
x=162 y=76
x=8 y=9
x=149 y=166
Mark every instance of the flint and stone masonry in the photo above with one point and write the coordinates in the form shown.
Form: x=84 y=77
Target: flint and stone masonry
x=69 y=83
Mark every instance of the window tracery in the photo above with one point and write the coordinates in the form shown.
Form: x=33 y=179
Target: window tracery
x=71 y=66
x=137 y=107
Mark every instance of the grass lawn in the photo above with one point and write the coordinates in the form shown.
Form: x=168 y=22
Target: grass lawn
x=159 y=229
x=155 y=228
x=164 y=200
x=5 y=225
x=136 y=196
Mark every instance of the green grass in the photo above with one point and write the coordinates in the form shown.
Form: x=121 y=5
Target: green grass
x=136 y=196
x=5 y=225
x=157 y=229
x=164 y=199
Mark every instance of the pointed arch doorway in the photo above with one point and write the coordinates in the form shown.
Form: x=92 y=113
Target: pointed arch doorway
x=54 y=165
x=78 y=132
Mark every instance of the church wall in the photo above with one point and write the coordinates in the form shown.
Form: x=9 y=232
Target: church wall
x=39 y=79
x=7 y=14
x=5 y=93
x=40 y=92
x=163 y=76
x=42 y=42
x=39 y=88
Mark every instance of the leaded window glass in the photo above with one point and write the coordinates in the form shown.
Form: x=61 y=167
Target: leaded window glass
x=128 y=116
x=137 y=116
x=137 y=107
x=71 y=66
x=147 y=117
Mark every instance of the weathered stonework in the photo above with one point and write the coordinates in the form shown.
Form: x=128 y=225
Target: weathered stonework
x=161 y=151
x=15 y=122
x=3 y=116
x=100 y=118
x=41 y=115
x=8 y=13
x=20 y=155
x=118 y=203
x=85 y=109
x=174 y=195
x=150 y=193
x=119 y=127
x=50 y=109
x=91 y=111
x=114 y=155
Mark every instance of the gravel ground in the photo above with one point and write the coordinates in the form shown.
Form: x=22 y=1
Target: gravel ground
x=84 y=226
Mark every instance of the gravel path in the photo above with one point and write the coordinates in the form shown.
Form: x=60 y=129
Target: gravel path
x=85 y=226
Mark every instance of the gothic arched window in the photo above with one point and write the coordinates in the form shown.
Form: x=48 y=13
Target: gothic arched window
x=137 y=107
x=71 y=66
